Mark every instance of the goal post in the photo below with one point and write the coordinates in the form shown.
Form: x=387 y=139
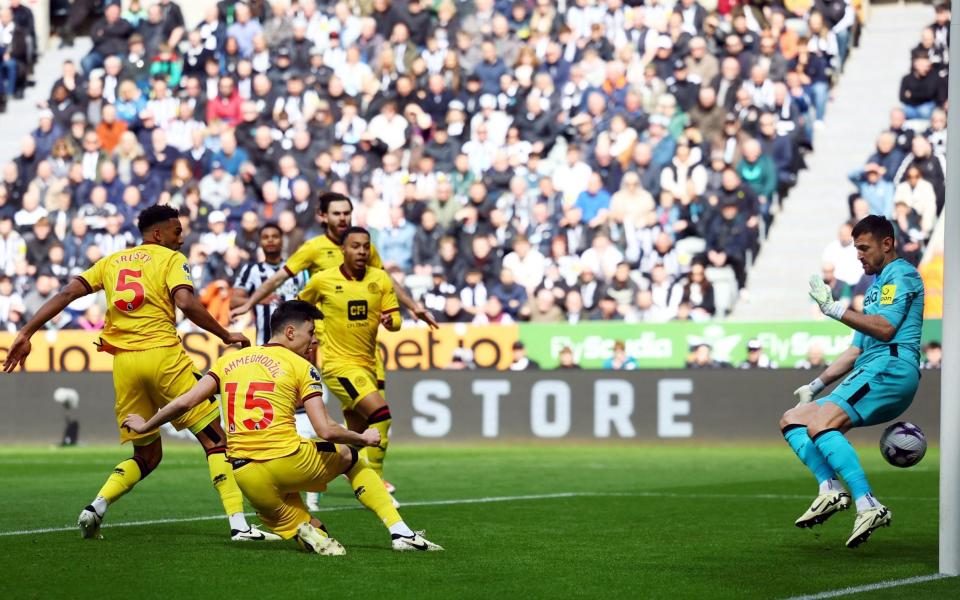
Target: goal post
x=950 y=372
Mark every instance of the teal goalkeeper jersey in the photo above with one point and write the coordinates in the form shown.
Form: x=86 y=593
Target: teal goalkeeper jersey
x=897 y=296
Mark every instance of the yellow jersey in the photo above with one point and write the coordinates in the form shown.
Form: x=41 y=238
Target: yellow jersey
x=139 y=283
x=351 y=313
x=260 y=389
x=321 y=253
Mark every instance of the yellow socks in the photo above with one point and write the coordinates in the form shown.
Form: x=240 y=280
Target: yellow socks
x=125 y=475
x=379 y=420
x=221 y=474
x=369 y=490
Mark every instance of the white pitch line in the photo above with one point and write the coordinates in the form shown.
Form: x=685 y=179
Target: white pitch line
x=455 y=501
x=872 y=587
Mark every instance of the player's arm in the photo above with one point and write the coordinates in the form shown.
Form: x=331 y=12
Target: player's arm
x=332 y=431
x=389 y=306
x=877 y=326
x=840 y=367
x=20 y=349
x=188 y=303
x=416 y=308
x=206 y=387
x=266 y=288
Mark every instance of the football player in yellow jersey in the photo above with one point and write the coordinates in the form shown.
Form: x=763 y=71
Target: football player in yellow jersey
x=150 y=368
x=355 y=300
x=325 y=252
x=260 y=389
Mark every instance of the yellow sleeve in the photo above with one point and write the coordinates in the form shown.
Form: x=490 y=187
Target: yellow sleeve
x=216 y=371
x=388 y=301
x=299 y=260
x=178 y=274
x=311 y=292
x=375 y=260
x=92 y=278
x=309 y=384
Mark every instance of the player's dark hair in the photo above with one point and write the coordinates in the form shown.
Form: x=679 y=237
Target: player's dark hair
x=353 y=229
x=293 y=312
x=154 y=215
x=271 y=225
x=877 y=226
x=327 y=197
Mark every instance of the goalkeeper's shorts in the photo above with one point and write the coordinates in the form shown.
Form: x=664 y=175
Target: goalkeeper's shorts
x=876 y=392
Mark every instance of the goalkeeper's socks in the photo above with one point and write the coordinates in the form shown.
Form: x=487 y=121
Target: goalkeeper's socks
x=867 y=502
x=796 y=436
x=831 y=485
x=100 y=505
x=400 y=528
x=844 y=461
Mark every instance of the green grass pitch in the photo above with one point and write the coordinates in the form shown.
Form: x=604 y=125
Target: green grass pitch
x=611 y=521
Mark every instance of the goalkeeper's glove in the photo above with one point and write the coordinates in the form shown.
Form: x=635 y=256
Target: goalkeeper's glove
x=822 y=295
x=806 y=393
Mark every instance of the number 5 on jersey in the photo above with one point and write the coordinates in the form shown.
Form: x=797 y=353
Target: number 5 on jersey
x=127 y=281
x=250 y=402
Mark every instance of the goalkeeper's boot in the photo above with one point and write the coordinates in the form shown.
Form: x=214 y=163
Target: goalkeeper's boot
x=311 y=539
x=313 y=500
x=823 y=507
x=417 y=543
x=868 y=521
x=253 y=534
x=89 y=523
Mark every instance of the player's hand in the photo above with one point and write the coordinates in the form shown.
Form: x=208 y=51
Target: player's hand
x=236 y=338
x=370 y=437
x=822 y=295
x=240 y=310
x=134 y=423
x=426 y=316
x=803 y=394
x=17 y=354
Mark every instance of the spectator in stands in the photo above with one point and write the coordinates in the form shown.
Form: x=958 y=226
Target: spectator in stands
x=756 y=359
x=814 y=359
x=620 y=361
x=109 y=36
x=919 y=195
x=907 y=229
x=567 y=359
x=932 y=354
x=520 y=361
x=701 y=357
x=840 y=289
x=875 y=189
x=842 y=254
x=727 y=241
x=920 y=89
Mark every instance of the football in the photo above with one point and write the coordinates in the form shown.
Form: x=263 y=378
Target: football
x=903 y=444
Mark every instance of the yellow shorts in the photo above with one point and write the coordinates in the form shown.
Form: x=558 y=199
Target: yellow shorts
x=147 y=380
x=351 y=384
x=273 y=486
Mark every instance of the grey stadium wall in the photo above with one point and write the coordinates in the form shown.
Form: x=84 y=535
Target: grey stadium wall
x=491 y=406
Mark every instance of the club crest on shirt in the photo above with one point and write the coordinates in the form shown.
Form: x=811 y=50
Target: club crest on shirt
x=373 y=288
x=887 y=294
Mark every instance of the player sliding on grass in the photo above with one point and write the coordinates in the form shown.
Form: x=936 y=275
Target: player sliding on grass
x=260 y=389
x=150 y=368
x=884 y=358
x=325 y=252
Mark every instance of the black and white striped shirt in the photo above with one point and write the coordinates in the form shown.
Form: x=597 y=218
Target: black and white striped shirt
x=252 y=275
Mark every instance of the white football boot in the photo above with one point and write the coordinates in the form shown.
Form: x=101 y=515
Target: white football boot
x=311 y=540
x=417 y=543
x=867 y=521
x=254 y=535
x=824 y=506
x=89 y=524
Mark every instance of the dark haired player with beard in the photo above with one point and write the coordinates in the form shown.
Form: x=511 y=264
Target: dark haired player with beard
x=144 y=285
x=884 y=359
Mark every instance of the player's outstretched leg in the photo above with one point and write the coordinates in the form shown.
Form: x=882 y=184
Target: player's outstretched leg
x=831 y=497
x=369 y=489
x=871 y=515
x=378 y=418
x=125 y=475
x=213 y=440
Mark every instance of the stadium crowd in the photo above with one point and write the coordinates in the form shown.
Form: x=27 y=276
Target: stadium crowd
x=516 y=160
x=904 y=178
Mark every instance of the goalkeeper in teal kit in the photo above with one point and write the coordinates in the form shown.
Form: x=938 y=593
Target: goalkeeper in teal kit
x=883 y=366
